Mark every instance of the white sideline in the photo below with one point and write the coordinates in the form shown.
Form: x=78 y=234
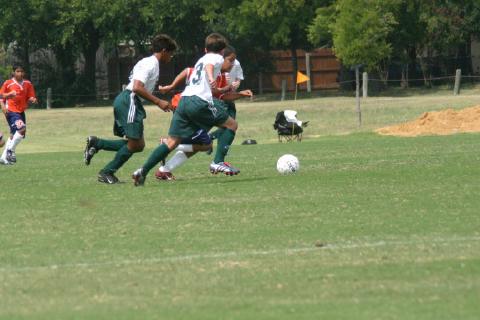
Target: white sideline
x=237 y=254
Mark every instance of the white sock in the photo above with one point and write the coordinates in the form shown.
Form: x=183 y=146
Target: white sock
x=17 y=138
x=185 y=147
x=8 y=145
x=174 y=162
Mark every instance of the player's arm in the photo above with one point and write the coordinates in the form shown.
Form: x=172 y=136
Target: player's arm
x=211 y=80
x=233 y=95
x=32 y=98
x=139 y=89
x=2 y=105
x=180 y=78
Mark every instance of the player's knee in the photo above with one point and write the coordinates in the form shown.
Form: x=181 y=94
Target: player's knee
x=172 y=143
x=136 y=145
x=233 y=125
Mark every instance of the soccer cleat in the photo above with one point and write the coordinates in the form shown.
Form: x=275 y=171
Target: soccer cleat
x=90 y=149
x=224 y=167
x=11 y=157
x=166 y=176
x=108 y=178
x=138 y=177
x=5 y=161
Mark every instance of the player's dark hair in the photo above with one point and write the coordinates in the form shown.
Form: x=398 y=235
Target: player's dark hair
x=215 y=42
x=163 y=42
x=17 y=66
x=229 y=50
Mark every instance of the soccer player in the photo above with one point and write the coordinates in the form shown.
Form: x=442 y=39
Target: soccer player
x=232 y=78
x=17 y=93
x=129 y=112
x=196 y=111
x=201 y=141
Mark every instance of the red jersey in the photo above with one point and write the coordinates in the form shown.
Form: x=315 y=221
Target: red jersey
x=176 y=98
x=221 y=82
x=24 y=90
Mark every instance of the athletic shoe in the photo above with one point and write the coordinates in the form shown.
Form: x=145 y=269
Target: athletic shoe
x=11 y=157
x=108 y=178
x=166 y=176
x=138 y=177
x=90 y=149
x=224 y=167
x=5 y=162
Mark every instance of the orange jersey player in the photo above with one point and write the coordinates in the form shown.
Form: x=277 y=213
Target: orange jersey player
x=17 y=93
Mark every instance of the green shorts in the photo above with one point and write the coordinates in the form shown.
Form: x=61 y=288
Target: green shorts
x=231 y=109
x=129 y=114
x=194 y=114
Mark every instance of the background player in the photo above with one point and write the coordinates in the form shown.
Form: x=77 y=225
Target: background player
x=17 y=94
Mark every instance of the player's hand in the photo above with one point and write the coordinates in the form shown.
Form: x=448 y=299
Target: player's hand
x=246 y=93
x=164 y=105
x=235 y=85
x=32 y=100
x=213 y=83
x=165 y=89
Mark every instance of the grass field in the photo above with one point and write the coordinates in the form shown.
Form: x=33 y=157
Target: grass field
x=371 y=227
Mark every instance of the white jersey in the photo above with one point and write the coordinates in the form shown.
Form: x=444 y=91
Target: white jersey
x=198 y=83
x=236 y=74
x=147 y=71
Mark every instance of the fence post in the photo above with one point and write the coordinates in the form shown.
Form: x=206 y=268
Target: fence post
x=49 y=98
x=284 y=89
x=458 y=76
x=365 y=84
x=307 y=64
x=357 y=94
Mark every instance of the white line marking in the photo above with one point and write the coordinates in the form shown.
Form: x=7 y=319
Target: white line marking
x=238 y=254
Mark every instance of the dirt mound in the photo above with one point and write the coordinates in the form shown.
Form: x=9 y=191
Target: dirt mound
x=443 y=122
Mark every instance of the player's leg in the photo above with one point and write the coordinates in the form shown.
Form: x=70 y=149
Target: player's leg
x=129 y=115
x=188 y=147
x=2 y=141
x=17 y=123
x=232 y=112
x=225 y=140
x=159 y=153
x=180 y=126
x=121 y=110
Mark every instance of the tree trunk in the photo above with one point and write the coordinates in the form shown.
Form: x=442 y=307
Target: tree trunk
x=66 y=62
x=294 y=58
x=90 y=47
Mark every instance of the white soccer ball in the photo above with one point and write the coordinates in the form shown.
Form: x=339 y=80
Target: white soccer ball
x=288 y=164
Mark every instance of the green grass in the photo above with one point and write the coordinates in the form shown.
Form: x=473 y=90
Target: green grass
x=371 y=227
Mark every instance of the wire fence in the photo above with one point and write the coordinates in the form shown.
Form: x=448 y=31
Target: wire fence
x=374 y=87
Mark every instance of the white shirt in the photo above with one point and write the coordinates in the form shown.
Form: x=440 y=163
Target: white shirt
x=291 y=116
x=198 y=83
x=147 y=71
x=236 y=74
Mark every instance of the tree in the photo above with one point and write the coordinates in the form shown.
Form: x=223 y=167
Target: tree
x=280 y=24
x=360 y=33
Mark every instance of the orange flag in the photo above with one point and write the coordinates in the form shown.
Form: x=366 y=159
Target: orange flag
x=301 y=77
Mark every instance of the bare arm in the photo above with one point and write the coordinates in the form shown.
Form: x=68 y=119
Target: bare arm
x=181 y=77
x=231 y=96
x=139 y=88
